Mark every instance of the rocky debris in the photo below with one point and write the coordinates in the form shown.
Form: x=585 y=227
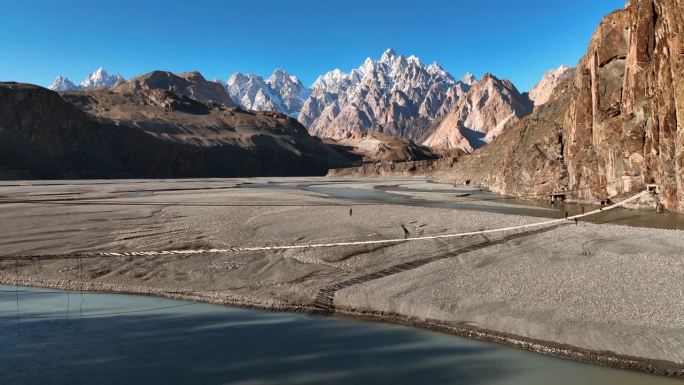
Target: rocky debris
x=541 y=93
x=147 y=132
x=281 y=93
x=191 y=84
x=610 y=129
x=394 y=95
x=375 y=147
x=477 y=116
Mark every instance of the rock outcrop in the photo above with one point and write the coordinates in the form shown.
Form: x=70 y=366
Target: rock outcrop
x=191 y=84
x=613 y=127
x=477 y=116
x=376 y=147
x=541 y=93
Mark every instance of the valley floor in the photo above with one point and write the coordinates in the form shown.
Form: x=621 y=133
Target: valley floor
x=603 y=293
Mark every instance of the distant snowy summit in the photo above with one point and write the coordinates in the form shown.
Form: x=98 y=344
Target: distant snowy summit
x=100 y=78
x=394 y=94
x=281 y=92
x=62 y=84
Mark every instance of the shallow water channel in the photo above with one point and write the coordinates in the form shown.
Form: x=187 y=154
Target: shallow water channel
x=56 y=337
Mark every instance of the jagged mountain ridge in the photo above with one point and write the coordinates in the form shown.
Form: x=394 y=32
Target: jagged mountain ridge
x=488 y=108
x=395 y=95
x=99 y=78
x=280 y=93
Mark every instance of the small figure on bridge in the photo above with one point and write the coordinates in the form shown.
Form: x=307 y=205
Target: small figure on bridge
x=566 y=215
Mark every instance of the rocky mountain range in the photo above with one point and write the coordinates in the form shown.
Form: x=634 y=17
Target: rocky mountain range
x=99 y=78
x=395 y=95
x=142 y=129
x=479 y=114
x=280 y=93
x=608 y=130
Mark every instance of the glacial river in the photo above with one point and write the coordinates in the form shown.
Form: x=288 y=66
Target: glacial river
x=53 y=337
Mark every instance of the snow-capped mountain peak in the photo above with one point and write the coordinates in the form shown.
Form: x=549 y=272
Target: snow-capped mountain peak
x=388 y=56
x=280 y=93
x=469 y=79
x=61 y=84
x=101 y=79
x=395 y=92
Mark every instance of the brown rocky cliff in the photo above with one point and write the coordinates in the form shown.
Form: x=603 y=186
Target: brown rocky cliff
x=612 y=128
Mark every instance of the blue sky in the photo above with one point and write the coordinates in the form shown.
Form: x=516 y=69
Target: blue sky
x=514 y=39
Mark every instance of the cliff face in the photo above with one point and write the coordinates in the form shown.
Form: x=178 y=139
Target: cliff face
x=613 y=127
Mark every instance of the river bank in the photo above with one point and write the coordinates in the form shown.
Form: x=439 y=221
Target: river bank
x=594 y=293
x=60 y=341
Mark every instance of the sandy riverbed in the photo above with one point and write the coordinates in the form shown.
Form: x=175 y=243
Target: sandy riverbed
x=602 y=293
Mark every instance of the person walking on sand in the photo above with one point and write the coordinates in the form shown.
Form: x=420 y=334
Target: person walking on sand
x=406 y=232
x=350 y=211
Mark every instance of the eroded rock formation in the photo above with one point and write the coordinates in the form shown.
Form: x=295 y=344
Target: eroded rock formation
x=613 y=127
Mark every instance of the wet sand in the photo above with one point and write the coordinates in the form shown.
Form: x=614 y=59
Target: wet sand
x=594 y=292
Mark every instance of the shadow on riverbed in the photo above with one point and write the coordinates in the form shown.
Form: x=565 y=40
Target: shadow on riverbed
x=205 y=344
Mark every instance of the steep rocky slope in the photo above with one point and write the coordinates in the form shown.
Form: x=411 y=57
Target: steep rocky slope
x=146 y=131
x=616 y=125
x=488 y=108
